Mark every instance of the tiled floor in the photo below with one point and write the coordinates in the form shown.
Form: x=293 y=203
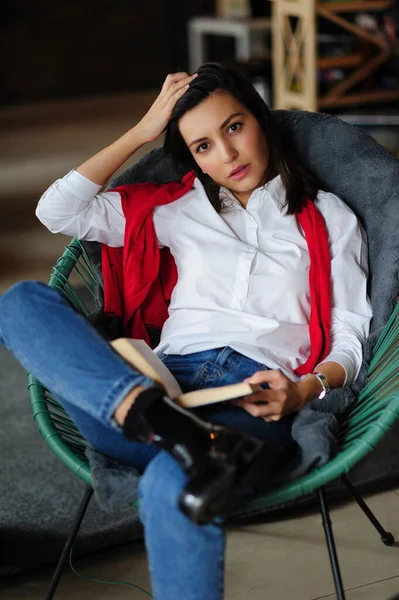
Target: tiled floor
x=282 y=560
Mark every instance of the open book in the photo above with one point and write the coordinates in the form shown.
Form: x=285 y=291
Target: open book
x=140 y=356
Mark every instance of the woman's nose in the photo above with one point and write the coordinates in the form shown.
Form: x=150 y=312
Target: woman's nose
x=228 y=152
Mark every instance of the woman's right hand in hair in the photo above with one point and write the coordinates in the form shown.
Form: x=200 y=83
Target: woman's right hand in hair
x=154 y=122
x=100 y=167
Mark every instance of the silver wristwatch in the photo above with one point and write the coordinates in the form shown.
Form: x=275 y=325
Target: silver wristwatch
x=324 y=384
x=323 y=381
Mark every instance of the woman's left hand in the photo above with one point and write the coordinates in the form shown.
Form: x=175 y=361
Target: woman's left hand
x=282 y=397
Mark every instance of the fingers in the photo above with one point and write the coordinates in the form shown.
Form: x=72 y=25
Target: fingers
x=260 y=396
x=269 y=412
x=184 y=83
x=176 y=95
x=271 y=404
x=267 y=404
x=156 y=119
x=259 y=404
x=177 y=90
x=172 y=78
x=176 y=81
x=269 y=376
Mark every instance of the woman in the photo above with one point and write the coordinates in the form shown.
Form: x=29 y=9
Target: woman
x=243 y=306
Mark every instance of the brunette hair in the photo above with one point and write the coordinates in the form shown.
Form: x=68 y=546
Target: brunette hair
x=223 y=77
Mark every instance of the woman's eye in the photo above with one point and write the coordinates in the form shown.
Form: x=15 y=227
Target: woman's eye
x=235 y=127
x=202 y=147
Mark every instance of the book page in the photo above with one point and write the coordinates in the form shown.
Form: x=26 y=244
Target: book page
x=140 y=356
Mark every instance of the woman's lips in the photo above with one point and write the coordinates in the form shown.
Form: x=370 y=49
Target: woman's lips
x=240 y=174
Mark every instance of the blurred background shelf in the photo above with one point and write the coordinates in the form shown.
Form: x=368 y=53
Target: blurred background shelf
x=309 y=75
x=248 y=33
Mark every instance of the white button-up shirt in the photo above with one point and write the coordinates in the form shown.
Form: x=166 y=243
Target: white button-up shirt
x=243 y=274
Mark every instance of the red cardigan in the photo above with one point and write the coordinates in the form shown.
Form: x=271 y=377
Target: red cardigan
x=139 y=278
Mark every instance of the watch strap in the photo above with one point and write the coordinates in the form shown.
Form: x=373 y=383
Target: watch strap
x=324 y=384
x=326 y=388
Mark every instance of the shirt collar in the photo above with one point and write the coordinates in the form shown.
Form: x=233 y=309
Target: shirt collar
x=274 y=190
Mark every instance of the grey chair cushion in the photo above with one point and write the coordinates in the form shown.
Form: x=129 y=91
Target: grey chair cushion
x=365 y=175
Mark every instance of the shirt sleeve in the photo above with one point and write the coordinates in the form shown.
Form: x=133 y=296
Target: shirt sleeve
x=351 y=310
x=74 y=206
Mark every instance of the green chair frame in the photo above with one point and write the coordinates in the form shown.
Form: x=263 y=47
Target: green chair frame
x=373 y=414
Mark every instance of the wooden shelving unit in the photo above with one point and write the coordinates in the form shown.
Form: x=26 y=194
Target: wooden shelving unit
x=296 y=64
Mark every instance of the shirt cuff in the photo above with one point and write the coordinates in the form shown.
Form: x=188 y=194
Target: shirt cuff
x=346 y=363
x=81 y=187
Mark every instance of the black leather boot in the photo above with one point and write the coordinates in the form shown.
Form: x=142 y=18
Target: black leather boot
x=216 y=458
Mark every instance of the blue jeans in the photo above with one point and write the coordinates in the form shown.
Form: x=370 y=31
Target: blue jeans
x=59 y=347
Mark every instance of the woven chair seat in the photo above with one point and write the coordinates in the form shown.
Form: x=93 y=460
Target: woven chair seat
x=368 y=420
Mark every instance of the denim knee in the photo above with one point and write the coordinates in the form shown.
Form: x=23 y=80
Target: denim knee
x=18 y=300
x=22 y=295
x=160 y=487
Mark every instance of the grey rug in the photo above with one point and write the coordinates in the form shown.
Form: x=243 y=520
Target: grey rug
x=39 y=495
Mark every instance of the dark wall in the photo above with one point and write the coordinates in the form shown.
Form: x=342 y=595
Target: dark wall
x=82 y=47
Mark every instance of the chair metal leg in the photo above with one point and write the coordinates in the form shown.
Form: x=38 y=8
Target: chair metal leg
x=321 y=493
x=386 y=537
x=71 y=538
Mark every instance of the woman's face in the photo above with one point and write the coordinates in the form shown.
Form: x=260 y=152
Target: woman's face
x=227 y=143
